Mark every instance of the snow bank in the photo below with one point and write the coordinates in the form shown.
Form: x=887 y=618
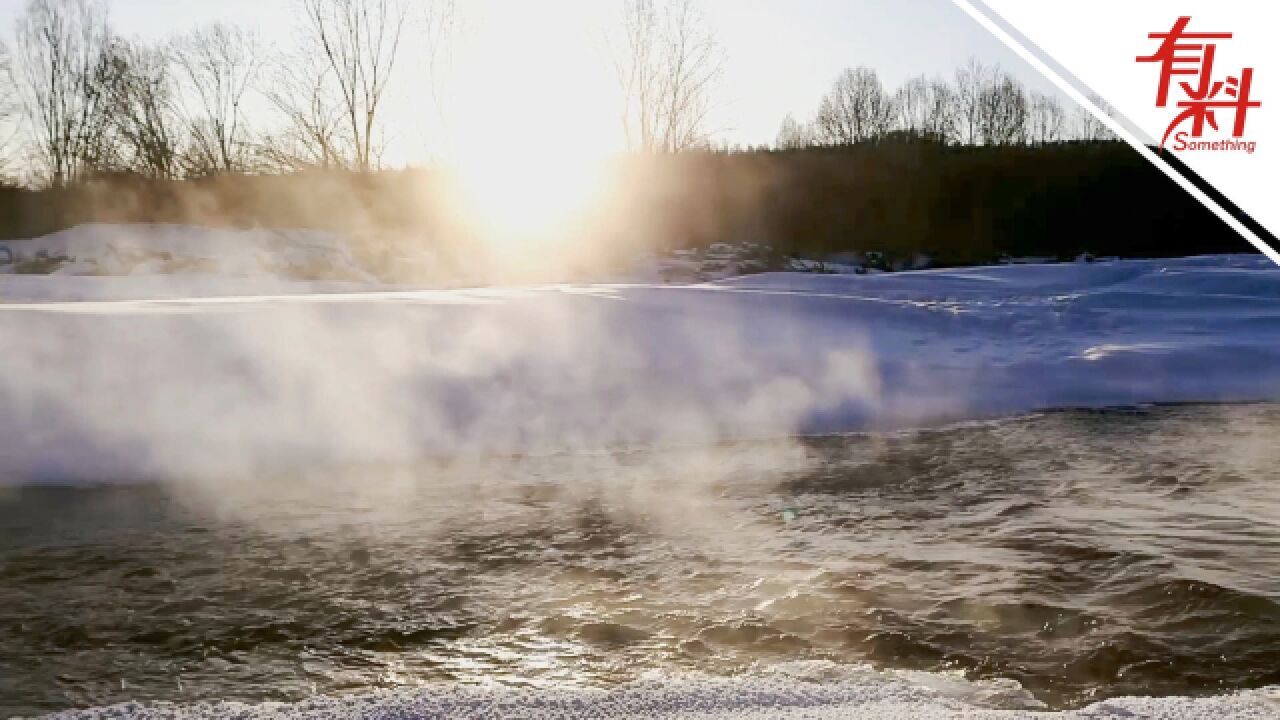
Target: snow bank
x=107 y=249
x=874 y=696
x=142 y=388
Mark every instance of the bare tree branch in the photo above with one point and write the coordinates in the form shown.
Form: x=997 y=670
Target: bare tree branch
x=9 y=107
x=971 y=80
x=1087 y=127
x=855 y=110
x=218 y=65
x=311 y=133
x=1045 y=120
x=926 y=108
x=331 y=105
x=61 y=43
x=1002 y=110
x=440 y=25
x=667 y=71
x=793 y=135
x=140 y=112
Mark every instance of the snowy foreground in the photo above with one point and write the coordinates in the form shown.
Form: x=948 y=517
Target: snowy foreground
x=161 y=376
x=873 y=696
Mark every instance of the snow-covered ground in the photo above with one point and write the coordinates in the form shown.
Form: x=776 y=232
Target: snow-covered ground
x=162 y=375
x=872 y=695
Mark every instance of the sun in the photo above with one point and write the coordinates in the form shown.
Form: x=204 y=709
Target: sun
x=525 y=199
x=535 y=125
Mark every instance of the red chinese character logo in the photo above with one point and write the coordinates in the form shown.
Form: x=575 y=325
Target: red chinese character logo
x=1191 y=54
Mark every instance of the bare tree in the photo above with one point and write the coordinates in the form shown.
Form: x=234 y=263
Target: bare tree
x=311 y=135
x=9 y=106
x=793 y=135
x=331 y=106
x=217 y=66
x=1087 y=126
x=638 y=74
x=941 y=118
x=911 y=103
x=925 y=108
x=988 y=105
x=856 y=109
x=1045 y=119
x=60 y=43
x=667 y=70
x=971 y=80
x=1002 y=110
x=140 y=110
x=440 y=26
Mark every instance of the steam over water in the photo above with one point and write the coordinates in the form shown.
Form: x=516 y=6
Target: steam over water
x=1082 y=554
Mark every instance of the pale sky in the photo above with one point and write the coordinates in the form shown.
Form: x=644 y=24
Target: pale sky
x=544 y=68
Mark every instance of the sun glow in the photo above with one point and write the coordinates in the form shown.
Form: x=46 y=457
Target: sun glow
x=531 y=160
x=526 y=199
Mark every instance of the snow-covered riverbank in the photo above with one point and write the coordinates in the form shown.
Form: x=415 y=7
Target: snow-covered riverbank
x=218 y=369
x=101 y=380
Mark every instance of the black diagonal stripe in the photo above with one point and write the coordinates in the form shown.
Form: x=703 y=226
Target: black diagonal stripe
x=1172 y=159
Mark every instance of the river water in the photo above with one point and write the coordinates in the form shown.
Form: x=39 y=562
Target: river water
x=1080 y=555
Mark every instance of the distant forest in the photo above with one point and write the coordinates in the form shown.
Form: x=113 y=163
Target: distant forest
x=963 y=169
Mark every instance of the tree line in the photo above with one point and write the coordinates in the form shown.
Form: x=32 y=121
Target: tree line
x=980 y=105
x=217 y=99
x=215 y=127
x=92 y=102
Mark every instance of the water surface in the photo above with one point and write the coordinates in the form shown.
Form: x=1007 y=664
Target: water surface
x=1083 y=555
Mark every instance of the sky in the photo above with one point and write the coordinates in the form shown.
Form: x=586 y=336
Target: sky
x=546 y=66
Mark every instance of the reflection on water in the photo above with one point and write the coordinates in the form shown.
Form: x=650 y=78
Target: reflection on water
x=1082 y=554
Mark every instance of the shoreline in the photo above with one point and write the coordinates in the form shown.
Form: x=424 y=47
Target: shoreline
x=832 y=694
